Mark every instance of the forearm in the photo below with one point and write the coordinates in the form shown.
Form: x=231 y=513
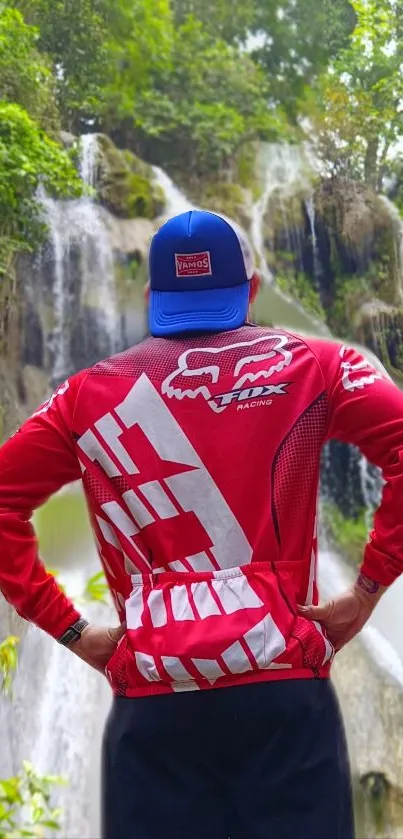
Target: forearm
x=369 y=590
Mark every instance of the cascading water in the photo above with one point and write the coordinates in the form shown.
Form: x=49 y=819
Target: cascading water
x=310 y=210
x=284 y=170
x=83 y=273
x=176 y=201
x=397 y=222
x=89 y=159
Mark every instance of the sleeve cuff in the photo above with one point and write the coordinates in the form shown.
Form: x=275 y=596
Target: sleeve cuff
x=59 y=617
x=380 y=567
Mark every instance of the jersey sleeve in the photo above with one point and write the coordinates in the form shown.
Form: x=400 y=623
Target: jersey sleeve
x=366 y=410
x=35 y=463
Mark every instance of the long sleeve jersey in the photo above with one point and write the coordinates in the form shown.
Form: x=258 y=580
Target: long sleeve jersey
x=199 y=458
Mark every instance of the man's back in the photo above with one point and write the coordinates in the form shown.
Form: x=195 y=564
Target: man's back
x=200 y=457
x=200 y=462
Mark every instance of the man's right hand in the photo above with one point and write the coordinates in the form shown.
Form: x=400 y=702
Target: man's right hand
x=345 y=615
x=97 y=645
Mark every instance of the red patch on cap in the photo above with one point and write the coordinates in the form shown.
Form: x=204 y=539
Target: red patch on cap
x=193 y=264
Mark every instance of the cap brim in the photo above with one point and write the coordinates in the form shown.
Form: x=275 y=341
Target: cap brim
x=172 y=312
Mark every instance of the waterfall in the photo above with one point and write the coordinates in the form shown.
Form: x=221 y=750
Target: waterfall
x=59 y=704
x=397 y=222
x=62 y=364
x=284 y=170
x=176 y=201
x=310 y=210
x=89 y=159
x=82 y=260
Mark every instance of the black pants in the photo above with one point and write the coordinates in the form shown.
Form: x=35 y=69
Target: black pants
x=261 y=761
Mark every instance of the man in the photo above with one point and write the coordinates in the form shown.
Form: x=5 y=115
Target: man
x=199 y=454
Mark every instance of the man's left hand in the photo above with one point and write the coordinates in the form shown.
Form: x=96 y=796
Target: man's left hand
x=97 y=645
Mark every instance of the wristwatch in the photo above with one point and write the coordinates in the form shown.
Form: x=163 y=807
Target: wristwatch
x=73 y=633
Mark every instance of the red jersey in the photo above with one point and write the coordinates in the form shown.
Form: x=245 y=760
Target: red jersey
x=200 y=460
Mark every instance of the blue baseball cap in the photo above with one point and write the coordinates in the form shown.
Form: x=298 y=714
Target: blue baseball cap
x=200 y=267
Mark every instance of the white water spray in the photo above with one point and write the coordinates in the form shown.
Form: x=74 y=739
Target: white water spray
x=83 y=262
x=310 y=209
x=176 y=200
x=89 y=159
x=285 y=170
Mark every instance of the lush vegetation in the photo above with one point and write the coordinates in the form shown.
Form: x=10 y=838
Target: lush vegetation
x=179 y=83
x=348 y=534
x=25 y=799
x=25 y=805
x=190 y=85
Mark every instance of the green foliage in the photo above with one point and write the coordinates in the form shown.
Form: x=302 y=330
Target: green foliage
x=102 y=51
x=348 y=294
x=139 y=45
x=227 y=198
x=96 y=589
x=348 y=534
x=230 y=21
x=73 y=33
x=25 y=73
x=8 y=664
x=63 y=528
x=359 y=100
x=25 y=805
x=298 y=39
x=28 y=159
x=207 y=103
x=298 y=285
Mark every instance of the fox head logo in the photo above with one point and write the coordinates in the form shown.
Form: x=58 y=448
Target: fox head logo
x=200 y=370
x=361 y=370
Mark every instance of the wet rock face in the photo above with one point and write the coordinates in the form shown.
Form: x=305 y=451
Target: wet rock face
x=80 y=298
x=379 y=326
x=90 y=339
x=33 y=349
x=341 y=478
x=343 y=246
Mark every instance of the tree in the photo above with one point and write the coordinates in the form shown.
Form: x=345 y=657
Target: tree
x=28 y=159
x=296 y=39
x=230 y=20
x=359 y=101
x=73 y=34
x=25 y=74
x=208 y=102
x=102 y=52
x=139 y=46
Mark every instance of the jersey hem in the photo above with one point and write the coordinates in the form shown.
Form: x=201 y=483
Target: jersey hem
x=250 y=678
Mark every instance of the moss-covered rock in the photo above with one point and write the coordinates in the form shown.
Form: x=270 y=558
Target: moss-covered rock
x=299 y=286
x=357 y=232
x=231 y=199
x=126 y=184
x=379 y=326
x=349 y=268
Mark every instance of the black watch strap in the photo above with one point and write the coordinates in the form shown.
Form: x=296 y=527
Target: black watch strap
x=73 y=633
